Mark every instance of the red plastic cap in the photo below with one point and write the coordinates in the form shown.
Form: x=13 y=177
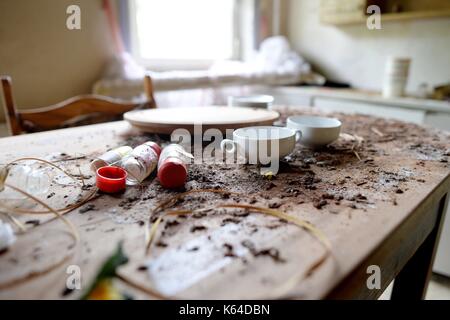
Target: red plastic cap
x=172 y=173
x=155 y=147
x=111 y=179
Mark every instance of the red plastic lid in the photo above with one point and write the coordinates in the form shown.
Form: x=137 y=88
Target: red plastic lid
x=111 y=179
x=155 y=147
x=172 y=173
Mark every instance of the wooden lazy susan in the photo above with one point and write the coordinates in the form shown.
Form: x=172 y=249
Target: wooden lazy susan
x=166 y=120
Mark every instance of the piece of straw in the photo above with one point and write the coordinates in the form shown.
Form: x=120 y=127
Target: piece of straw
x=278 y=214
x=377 y=132
x=151 y=234
x=173 y=199
x=277 y=292
x=16 y=222
x=4 y=171
x=64 y=210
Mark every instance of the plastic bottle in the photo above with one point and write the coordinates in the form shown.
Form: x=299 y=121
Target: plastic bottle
x=111 y=157
x=173 y=166
x=141 y=162
x=30 y=178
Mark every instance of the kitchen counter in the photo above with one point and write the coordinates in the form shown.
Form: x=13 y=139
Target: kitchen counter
x=365 y=96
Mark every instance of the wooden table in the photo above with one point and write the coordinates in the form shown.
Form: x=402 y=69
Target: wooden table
x=378 y=203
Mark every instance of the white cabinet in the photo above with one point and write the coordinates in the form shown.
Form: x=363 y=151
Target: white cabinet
x=347 y=106
x=438 y=120
x=442 y=262
x=290 y=99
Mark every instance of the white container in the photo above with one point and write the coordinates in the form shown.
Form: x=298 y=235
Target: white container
x=112 y=157
x=396 y=77
x=394 y=87
x=173 y=166
x=397 y=62
x=260 y=101
x=141 y=162
x=398 y=67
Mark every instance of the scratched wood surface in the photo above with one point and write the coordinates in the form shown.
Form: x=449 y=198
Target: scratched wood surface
x=355 y=194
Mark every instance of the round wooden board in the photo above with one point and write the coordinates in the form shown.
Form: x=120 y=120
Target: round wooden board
x=166 y=120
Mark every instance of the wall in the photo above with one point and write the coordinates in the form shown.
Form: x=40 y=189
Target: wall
x=47 y=62
x=357 y=55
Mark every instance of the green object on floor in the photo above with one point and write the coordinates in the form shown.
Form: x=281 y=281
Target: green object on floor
x=102 y=288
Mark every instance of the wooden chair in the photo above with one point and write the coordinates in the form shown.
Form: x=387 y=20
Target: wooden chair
x=76 y=111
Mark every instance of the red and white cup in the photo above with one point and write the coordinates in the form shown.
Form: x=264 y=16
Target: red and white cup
x=173 y=166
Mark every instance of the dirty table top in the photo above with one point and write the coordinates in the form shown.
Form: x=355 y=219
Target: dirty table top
x=356 y=192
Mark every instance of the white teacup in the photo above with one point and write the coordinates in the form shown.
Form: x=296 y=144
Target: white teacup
x=261 y=144
x=315 y=131
x=260 y=101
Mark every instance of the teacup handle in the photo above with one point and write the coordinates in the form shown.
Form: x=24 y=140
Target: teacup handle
x=228 y=145
x=298 y=135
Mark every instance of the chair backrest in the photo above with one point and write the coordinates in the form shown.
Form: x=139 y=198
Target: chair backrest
x=79 y=110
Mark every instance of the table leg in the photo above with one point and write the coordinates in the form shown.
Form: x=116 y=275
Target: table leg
x=412 y=281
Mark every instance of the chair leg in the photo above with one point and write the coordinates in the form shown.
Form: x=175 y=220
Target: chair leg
x=148 y=87
x=11 y=115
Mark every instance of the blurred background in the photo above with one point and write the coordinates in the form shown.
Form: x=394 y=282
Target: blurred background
x=49 y=63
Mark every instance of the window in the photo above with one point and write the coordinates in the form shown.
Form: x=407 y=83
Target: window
x=181 y=33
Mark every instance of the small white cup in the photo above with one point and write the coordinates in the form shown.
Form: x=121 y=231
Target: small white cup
x=396 y=77
x=261 y=144
x=394 y=87
x=315 y=131
x=259 y=101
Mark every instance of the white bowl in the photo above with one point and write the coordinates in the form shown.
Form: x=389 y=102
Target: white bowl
x=315 y=131
x=252 y=101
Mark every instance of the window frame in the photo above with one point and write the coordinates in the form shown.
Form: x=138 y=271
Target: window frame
x=177 y=64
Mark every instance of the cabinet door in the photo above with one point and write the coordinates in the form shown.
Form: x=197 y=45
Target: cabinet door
x=442 y=260
x=348 y=106
x=438 y=120
x=441 y=120
x=294 y=100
